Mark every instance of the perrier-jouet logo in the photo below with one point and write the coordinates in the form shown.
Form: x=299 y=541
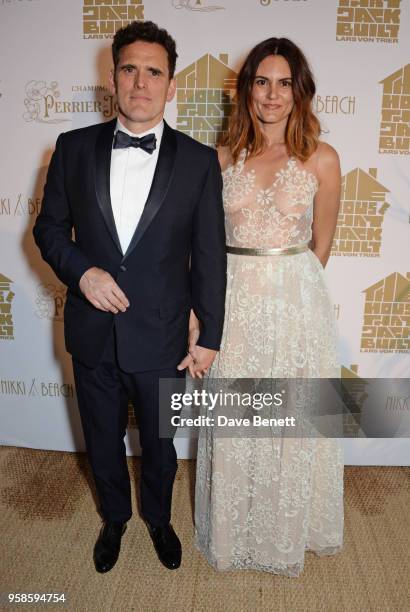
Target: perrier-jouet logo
x=6 y=317
x=386 y=322
x=362 y=209
x=205 y=90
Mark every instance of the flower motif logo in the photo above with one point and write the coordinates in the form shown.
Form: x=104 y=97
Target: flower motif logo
x=194 y=5
x=36 y=91
x=50 y=301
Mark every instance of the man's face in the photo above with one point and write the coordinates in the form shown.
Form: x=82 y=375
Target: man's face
x=142 y=85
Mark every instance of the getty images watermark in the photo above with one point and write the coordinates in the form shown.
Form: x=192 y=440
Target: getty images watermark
x=210 y=401
x=294 y=407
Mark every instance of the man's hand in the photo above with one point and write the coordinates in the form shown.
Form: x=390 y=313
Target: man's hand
x=193 y=336
x=199 y=358
x=102 y=291
x=202 y=360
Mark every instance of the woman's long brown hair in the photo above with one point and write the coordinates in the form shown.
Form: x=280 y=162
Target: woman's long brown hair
x=303 y=127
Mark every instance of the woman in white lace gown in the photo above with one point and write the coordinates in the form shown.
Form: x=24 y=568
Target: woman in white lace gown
x=262 y=502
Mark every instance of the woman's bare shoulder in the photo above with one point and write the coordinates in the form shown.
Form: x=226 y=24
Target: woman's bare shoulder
x=326 y=154
x=324 y=161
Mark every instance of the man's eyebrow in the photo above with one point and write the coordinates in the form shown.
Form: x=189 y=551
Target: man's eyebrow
x=155 y=68
x=147 y=67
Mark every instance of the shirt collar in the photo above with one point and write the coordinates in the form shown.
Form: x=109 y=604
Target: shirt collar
x=157 y=130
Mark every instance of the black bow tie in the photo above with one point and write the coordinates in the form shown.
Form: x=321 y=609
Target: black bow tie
x=122 y=140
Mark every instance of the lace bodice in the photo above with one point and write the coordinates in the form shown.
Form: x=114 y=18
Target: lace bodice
x=279 y=216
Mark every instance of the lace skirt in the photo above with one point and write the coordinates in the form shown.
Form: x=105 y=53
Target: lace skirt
x=260 y=503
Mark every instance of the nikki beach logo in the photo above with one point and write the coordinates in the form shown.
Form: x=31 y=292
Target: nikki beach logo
x=205 y=90
x=37 y=388
x=43 y=102
x=102 y=18
x=335 y=105
x=19 y=205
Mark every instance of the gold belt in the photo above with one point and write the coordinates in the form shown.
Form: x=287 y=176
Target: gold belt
x=300 y=248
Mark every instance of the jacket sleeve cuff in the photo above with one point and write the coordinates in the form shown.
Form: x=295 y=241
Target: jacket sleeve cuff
x=78 y=265
x=209 y=342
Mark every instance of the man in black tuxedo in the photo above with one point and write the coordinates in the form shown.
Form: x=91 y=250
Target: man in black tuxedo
x=145 y=204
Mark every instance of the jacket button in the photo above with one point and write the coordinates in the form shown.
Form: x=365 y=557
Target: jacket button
x=123 y=268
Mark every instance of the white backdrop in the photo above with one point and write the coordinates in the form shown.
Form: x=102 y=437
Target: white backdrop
x=55 y=60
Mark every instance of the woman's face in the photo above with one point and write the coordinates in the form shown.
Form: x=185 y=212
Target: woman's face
x=272 y=95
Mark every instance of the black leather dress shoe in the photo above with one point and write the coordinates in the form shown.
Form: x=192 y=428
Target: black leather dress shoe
x=167 y=545
x=107 y=547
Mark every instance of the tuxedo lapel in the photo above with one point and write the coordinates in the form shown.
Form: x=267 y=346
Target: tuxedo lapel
x=160 y=183
x=102 y=177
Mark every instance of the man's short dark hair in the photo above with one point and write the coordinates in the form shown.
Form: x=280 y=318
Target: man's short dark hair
x=146 y=31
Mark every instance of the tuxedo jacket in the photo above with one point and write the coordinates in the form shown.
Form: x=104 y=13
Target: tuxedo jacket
x=176 y=259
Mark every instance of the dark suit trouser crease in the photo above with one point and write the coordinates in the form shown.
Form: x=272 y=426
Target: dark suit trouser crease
x=103 y=394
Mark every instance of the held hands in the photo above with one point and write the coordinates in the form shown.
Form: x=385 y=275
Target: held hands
x=198 y=359
x=102 y=291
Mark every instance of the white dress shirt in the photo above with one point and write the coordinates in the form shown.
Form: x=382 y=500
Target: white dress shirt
x=131 y=174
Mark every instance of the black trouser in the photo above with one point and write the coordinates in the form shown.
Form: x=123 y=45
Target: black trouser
x=103 y=402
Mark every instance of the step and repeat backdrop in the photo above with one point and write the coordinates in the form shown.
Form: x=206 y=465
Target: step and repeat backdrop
x=55 y=62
